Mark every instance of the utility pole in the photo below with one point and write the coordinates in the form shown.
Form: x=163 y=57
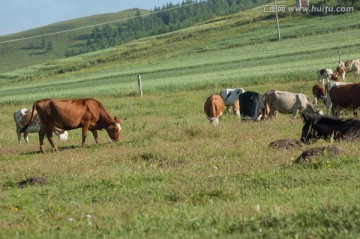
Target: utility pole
x=277 y=21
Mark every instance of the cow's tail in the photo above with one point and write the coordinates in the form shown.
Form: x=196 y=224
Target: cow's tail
x=32 y=115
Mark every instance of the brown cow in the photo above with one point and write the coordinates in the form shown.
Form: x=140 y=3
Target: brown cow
x=319 y=93
x=214 y=108
x=68 y=114
x=345 y=96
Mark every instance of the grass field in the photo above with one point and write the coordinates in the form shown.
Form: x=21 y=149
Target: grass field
x=172 y=175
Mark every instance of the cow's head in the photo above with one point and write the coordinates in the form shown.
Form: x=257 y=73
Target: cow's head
x=114 y=129
x=309 y=133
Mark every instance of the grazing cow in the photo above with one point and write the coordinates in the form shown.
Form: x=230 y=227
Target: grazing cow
x=319 y=93
x=324 y=74
x=347 y=66
x=214 y=108
x=345 y=97
x=229 y=97
x=328 y=87
x=68 y=114
x=316 y=127
x=22 y=117
x=253 y=106
x=287 y=102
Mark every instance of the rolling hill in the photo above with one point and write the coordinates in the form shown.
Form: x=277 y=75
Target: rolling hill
x=28 y=52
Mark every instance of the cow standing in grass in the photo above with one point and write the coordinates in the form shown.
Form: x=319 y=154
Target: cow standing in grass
x=68 y=114
x=230 y=96
x=214 y=107
x=324 y=74
x=287 y=102
x=347 y=66
x=319 y=93
x=22 y=117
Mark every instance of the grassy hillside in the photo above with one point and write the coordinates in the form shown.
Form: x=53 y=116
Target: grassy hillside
x=172 y=175
x=20 y=54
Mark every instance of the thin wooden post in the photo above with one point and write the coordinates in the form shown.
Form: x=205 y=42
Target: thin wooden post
x=277 y=21
x=139 y=84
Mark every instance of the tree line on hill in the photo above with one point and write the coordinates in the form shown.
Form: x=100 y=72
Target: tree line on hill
x=172 y=17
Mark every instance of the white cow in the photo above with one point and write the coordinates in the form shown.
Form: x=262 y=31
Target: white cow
x=22 y=117
x=287 y=102
x=324 y=74
x=231 y=99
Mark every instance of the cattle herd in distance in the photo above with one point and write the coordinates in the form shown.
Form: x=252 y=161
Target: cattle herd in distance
x=338 y=95
x=56 y=116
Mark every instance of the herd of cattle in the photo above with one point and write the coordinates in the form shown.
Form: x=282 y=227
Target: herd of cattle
x=56 y=116
x=339 y=95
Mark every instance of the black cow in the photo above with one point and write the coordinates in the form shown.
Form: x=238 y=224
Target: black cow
x=253 y=106
x=320 y=126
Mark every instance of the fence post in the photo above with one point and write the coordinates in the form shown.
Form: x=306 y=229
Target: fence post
x=139 y=84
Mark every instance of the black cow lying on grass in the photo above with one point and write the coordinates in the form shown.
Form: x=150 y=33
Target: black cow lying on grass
x=319 y=126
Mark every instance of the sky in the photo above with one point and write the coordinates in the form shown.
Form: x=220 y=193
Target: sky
x=20 y=15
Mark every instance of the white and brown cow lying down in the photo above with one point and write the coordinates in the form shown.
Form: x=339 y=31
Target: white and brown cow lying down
x=324 y=74
x=230 y=96
x=22 y=117
x=287 y=102
x=214 y=107
x=68 y=114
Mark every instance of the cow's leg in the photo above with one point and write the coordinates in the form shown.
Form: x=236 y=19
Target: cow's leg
x=49 y=135
x=96 y=136
x=85 y=128
x=41 y=139
x=26 y=137
x=228 y=109
x=315 y=101
x=19 y=137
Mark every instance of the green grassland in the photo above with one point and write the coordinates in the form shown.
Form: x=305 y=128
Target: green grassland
x=173 y=175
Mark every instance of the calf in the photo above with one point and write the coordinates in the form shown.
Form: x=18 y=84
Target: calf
x=22 y=117
x=214 y=108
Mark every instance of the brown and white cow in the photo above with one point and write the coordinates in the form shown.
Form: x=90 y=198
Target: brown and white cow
x=328 y=87
x=68 y=114
x=347 y=66
x=345 y=97
x=22 y=117
x=214 y=107
x=230 y=96
x=319 y=93
x=324 y=74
